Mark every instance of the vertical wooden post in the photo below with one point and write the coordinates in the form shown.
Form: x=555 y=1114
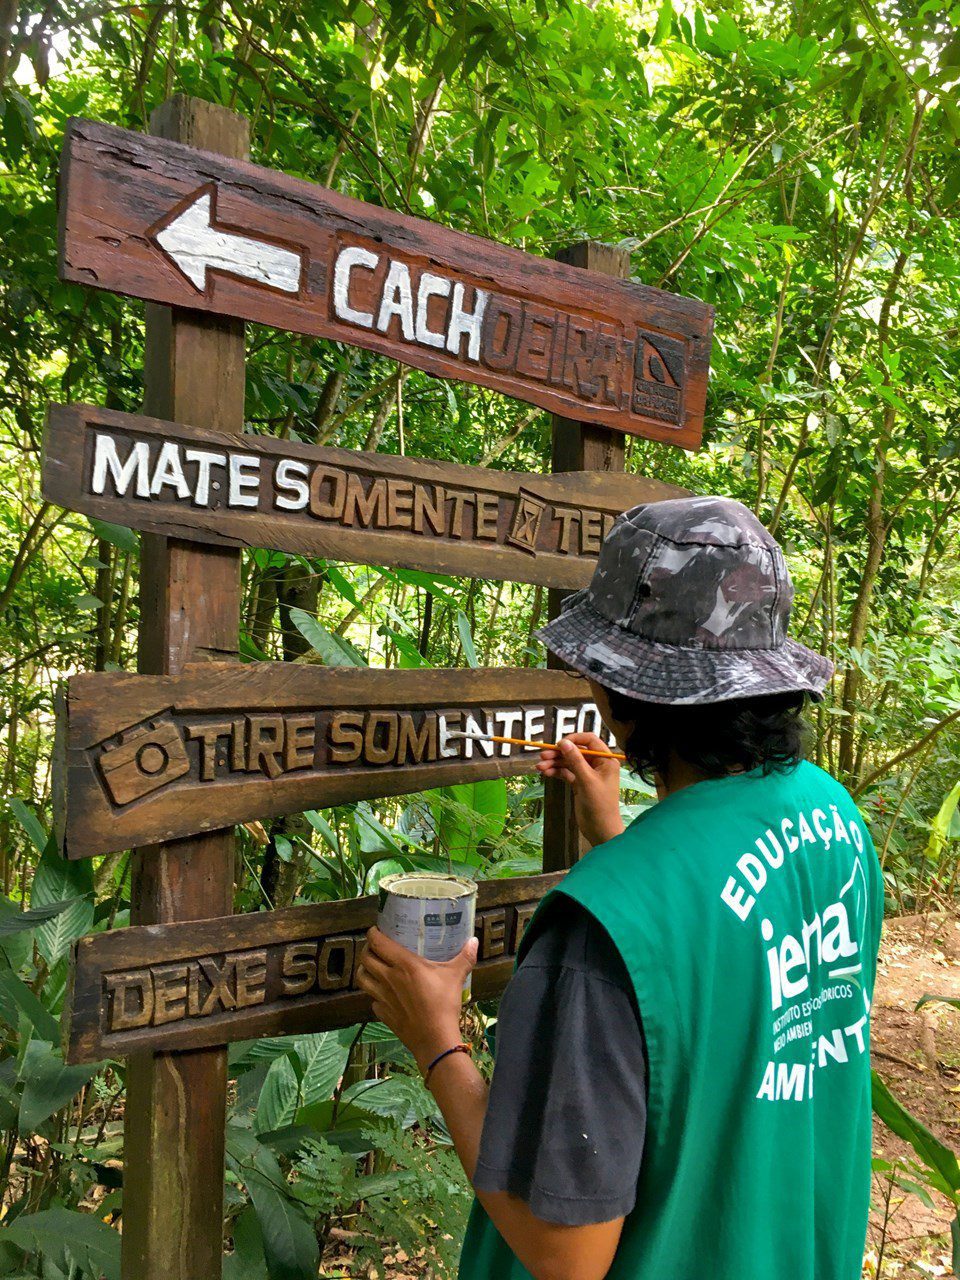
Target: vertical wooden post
x=577 y=446
x=189 y=612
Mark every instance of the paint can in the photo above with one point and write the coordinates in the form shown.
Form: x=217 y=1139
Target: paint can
x=430 y=914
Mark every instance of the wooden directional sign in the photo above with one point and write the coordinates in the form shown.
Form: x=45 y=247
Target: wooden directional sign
x=209 y=982
x=369 y=508
x=158 y=220
x=150 y=758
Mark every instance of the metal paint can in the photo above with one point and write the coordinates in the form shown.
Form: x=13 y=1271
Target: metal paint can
x=430 y=914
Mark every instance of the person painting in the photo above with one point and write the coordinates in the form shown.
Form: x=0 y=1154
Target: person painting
x=682 y=1079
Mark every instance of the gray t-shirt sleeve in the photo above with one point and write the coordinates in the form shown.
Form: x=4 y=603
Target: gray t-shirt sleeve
x=567 y=1114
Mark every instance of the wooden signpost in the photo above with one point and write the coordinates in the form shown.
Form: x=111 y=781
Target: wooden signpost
x=170 y=759
x=175 y=1108
x=270 y=973
x=151 y=218
x=369 y=508
x=154 y=758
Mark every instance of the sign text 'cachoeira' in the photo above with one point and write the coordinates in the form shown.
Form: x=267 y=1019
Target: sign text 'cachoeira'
x=158 y=220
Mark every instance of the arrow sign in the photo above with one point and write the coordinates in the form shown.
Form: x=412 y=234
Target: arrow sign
x=302 y=258
x=196 y=246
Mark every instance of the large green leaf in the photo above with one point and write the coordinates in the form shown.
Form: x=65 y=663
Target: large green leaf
x=465 y=631
x=469 y=813
x=334 y=650
x=938 y=1158
x=16 y=995
x=246 y=1053
x=61 y=1236
x=31 y=824
x=118 y=534
x=13 y=920
x=941 y=825
x=278 y=1097
x=48 y=1083
x=55 y=880
x=930 y=998
x=322 y=1057
x=289 y=1240
x=400 y=1098
x=247 y=1261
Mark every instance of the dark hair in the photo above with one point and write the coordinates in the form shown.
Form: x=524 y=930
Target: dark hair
x=714 y=737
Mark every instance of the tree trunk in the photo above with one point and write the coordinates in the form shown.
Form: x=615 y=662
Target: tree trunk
x=860 y=617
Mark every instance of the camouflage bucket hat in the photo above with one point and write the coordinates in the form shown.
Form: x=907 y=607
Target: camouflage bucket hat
x=689 y=603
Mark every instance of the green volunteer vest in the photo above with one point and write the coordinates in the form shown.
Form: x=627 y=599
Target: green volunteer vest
x=747 y=910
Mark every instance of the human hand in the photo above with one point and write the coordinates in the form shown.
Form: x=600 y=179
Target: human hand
x=595 y=781
x=419 y=1000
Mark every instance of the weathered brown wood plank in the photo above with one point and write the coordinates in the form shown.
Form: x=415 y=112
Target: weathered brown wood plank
x=368 y=508
x=175 y=1109
x=153 y=758
x=239 y=977
x=153 y=219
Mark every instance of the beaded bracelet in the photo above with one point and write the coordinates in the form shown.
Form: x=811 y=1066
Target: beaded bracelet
x=457 y=1048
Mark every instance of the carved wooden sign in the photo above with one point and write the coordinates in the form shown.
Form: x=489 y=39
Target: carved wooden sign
x=368 y=508
x=151 y=758
x=184 y=986
x=158 y=220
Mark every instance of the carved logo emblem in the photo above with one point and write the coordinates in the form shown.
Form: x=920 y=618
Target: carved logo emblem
x=145 y=758
x=658 y=377
x=526 y=521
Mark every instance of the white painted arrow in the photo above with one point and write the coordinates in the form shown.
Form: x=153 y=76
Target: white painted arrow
x=197 y=246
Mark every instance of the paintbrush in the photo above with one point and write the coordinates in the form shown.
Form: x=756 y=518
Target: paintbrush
x=539 y=746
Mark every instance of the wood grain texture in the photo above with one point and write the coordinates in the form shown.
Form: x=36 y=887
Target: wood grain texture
x=154 y=758
x=578 y=446
x=341 y=504
x=240 y=977
x=157 y=220
x=175 y=1112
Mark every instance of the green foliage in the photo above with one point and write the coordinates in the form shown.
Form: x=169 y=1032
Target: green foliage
x=467 y=814
x=297 y=1167
x=74 y=1243
x=938 y=1166
x=69 y=885
x=797 y=168
x=48 y=1084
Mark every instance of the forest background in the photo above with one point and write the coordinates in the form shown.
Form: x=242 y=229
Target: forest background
x=795 y=165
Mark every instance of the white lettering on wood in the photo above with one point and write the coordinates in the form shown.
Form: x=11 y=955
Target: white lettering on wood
x=244 y=483
x=106 y=458
x=291 y=477
x=347 y=259
x=204 y=460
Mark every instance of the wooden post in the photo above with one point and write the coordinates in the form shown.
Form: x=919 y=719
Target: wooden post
x=189 y=612
x=577 y=446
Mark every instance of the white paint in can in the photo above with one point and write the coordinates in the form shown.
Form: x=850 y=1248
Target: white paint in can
x=430 y=914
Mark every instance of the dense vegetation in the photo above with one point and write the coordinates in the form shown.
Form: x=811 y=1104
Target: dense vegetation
x=795 y=166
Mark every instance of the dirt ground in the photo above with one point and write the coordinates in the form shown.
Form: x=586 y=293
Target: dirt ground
x=918 y=1055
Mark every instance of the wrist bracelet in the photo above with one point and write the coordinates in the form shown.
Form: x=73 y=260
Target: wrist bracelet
x=457 y=1048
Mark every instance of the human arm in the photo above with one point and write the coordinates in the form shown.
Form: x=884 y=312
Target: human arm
x=595 y=781
x=420 y=1001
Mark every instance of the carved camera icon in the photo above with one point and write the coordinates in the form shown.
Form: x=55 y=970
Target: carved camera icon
x=146 y=758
